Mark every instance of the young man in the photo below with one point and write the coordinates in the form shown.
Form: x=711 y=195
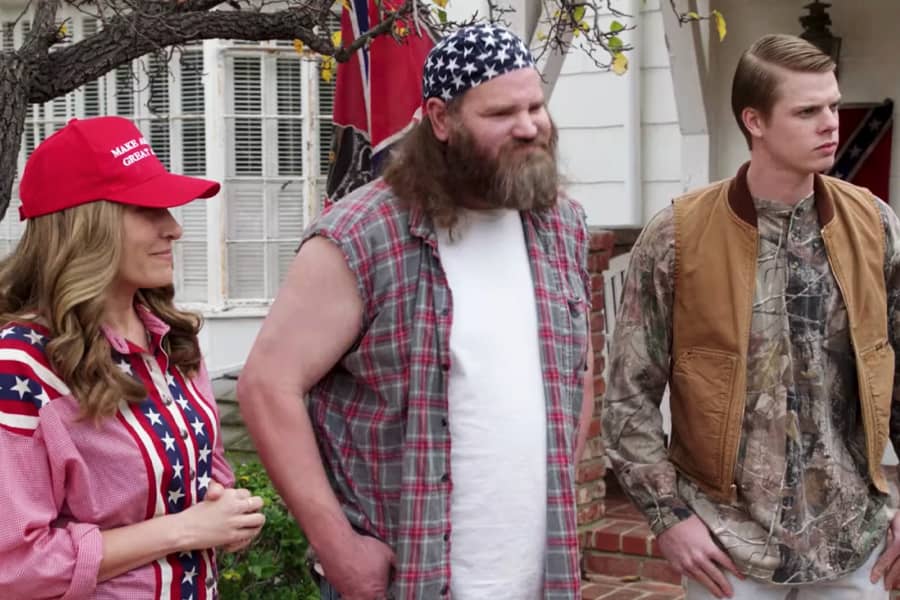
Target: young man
x=767 y=303
x=438 y=321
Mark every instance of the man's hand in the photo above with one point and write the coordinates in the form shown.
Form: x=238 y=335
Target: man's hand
x=690 y=549
x=888 y=565
x=361 y=570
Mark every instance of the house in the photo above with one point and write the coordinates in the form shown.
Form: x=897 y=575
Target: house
x=254 y=116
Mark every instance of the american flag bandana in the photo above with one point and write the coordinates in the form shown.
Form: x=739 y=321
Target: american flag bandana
x=470 y=56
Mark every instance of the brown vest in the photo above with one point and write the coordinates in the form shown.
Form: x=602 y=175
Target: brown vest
x=716 y=247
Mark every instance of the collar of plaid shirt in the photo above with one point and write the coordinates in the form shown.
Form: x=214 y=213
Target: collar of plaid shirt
x=381 y=415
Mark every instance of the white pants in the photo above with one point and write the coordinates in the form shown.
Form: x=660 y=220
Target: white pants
x=855 y=586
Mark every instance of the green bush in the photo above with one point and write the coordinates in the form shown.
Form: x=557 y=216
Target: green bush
x=273 y=566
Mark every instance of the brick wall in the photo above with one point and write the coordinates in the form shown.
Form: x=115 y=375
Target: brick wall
x=592 y=469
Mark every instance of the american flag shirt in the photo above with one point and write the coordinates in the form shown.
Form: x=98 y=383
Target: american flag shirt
x=64 y=479
x=381 y=415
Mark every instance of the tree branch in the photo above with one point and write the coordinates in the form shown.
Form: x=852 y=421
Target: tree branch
x=131 y=36
x=387 y=23
x=43 y=30
x=198 y=5
x=25 y=10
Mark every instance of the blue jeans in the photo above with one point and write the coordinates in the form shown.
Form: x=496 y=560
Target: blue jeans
x=327 y=592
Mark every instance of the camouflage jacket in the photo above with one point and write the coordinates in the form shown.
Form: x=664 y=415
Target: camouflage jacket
x=805 y=509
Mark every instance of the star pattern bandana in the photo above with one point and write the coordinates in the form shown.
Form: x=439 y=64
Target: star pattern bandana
x=469 y=57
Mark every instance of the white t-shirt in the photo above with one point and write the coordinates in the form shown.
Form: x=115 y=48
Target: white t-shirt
x=498 y=433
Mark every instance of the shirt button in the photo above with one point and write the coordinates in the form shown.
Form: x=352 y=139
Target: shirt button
x=445 y=312
x=184 y=434
x=445 y=590
x=210 y=581
x=193 y=473
x=445 y=366
x=443 y=421
x=447 y=537
x=445 y=477
x=167 y=401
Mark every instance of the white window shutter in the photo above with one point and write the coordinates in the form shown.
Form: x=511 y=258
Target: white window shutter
x=93 y=104
x=246 y=240
x=245 y=198
x=193 y=140
x=188 y=121
x=288 y=228
x=245 y=126
x=191 y=254
x=7 y=42
x=290 y=127
x=268 y=116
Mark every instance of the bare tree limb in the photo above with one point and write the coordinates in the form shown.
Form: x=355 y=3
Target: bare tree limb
x=43 y=32
x=24 y=12
x=386 y=25
x=198 y=5
x=125 y=39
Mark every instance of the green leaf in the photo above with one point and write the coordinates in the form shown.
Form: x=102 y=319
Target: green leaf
x=615 y=44
x=578 y=13
x=616 y=27
x=692 y=15
x=442 y=15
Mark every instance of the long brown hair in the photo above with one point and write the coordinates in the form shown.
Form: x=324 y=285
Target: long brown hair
x=58 y=276
x=419 y=173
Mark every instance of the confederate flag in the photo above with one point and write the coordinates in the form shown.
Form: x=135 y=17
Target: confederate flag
x=864 y=153
x=378 y=94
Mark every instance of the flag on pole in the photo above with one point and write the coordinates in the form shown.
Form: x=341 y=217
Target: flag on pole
x=378 y=94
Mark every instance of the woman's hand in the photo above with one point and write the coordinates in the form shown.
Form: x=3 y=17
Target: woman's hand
x=226 y=517
x=215 y=491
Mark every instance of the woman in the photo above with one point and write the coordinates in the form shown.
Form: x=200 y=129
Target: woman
x=112 y=475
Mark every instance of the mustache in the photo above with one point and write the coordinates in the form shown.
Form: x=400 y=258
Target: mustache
x=516 y=145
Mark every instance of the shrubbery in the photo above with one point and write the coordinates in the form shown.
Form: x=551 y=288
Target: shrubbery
x=272 y=567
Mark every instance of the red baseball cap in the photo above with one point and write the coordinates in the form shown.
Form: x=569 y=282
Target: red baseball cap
x=103 y=158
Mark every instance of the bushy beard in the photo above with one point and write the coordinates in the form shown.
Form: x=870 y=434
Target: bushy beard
x=523 y=175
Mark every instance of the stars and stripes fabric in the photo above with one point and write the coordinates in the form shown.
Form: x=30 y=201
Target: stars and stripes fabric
x=26 y=383
x=471 y=56
x=152 y=458
x=864 y=152
x=377 y=94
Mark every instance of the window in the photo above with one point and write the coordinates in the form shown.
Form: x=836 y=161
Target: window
x=165 y=99
x=273 y=112
x=276 y=163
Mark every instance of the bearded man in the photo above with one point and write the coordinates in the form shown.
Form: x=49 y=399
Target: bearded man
x=437 y=322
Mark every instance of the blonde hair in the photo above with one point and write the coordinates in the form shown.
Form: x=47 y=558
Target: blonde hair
x=58 y=276
x=755 y=83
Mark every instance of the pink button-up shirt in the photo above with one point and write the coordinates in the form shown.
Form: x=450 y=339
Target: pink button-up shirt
x=63 y=479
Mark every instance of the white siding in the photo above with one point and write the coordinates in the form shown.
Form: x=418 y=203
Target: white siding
x=590 y=108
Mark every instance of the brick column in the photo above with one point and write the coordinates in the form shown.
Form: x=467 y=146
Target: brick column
x=591 y=488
